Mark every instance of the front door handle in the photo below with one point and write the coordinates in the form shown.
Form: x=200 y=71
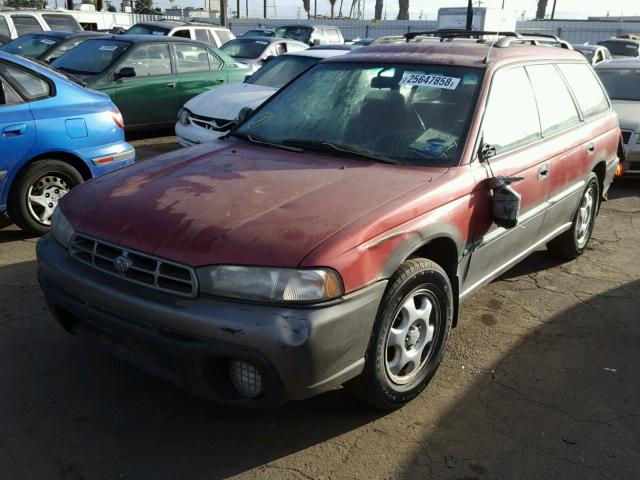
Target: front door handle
x=543 y=171
x=220 y=80
x=591 y=148
x=14 y=130
x=170 y=85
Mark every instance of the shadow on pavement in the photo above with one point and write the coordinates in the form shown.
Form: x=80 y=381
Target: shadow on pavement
x=564 y=403
x=625 y=187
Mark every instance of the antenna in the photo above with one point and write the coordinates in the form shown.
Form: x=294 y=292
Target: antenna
x=486 y=59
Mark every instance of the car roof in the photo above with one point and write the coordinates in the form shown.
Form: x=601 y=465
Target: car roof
x=150 y=39
x=459 y=53
x=316 y=53
x=619 y=40
x=619 y=63
x=267 y=39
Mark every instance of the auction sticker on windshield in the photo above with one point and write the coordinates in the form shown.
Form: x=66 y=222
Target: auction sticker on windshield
x=433 y=81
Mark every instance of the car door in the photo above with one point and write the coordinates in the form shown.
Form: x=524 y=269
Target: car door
x=151 y=96
x=511 y=132
x=198 y=69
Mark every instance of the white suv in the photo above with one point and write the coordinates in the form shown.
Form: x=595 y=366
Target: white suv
x=14 y=23
x=204 y=32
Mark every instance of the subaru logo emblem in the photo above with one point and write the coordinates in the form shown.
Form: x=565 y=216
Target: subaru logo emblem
x=122 y=263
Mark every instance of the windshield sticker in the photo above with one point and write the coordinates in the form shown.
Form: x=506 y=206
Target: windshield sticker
x=432 y=81
x=108 y=48
x=47 y=41
x=157 y=32
x=261 y=42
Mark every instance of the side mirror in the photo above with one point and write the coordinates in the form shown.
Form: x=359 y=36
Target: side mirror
x=126 y=72
x=316 y=42
x=243 y=114
x=268 y=58
x=506 y=201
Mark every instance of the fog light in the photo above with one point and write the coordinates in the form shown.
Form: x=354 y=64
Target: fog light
x=246 y=378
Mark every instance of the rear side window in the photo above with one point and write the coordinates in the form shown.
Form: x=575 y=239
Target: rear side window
x=332 y=35
x=61 y=22
x=192 y=58
x=149 y=60
x=25 y=24
x=4 y=28
x=557 y=110
x=182 y=33
x=201 y=35
x=29 y=85
x=587 y=90
x=511 y=92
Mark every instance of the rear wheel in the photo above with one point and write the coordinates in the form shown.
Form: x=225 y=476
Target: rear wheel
x=36 y=194
x=408 y=338
x=572 y=243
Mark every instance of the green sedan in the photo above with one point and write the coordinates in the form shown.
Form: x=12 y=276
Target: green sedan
x=150 y=78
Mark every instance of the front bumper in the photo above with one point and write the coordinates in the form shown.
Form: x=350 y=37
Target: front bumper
x=300 y=352
x=631 y=164
x=190 y=134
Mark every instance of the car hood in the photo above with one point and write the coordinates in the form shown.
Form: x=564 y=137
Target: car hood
x=226 y=102
x=223 y=203
x=628 y=114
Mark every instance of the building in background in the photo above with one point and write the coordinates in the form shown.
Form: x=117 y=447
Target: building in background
x=195 y=14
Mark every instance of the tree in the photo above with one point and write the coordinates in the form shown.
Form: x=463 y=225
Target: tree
x=379 y=9
x=25 y=3
x=333 y=4
x=307 y=7
x=145 y=6
x=542 y=9
x=403 y=12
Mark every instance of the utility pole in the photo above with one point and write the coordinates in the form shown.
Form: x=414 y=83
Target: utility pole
x=553 y=10
x=315 y=8
x=223 y=13
x=470 y=15
x=264 y=5
x=246 y=7
x=237 y=8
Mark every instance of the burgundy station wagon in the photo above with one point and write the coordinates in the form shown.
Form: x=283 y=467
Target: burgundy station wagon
x=330 y=238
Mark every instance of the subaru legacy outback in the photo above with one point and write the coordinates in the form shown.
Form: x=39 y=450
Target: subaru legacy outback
x=330 y=237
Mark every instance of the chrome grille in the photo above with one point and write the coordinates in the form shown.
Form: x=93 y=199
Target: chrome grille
x=215 y=124
x=626 y=136
x=143 y=269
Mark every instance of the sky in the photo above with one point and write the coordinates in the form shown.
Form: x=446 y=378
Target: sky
x=428 y=9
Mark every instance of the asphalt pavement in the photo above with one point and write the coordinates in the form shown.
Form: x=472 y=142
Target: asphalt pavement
x=541 y=380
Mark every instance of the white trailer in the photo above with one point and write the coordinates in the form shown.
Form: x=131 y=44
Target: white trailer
x=484 y=19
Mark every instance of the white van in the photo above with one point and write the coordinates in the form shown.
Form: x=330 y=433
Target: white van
x=14 y=23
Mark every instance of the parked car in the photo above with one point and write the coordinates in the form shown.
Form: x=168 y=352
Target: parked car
x=594 y=53
x=47 y=46
x=622 y=47
x=254 y=51
x=212 y=114
x=150 y=77
x=259 y=32
x=55 y=135
x=311 y=34
x=14 y=23
x=621 y=79
x=330 y=238
x=338 y=46
x=203 y=32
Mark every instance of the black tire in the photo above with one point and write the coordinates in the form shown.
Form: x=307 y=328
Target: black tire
x=571 y=244
x=375 y=385
x=36 y=176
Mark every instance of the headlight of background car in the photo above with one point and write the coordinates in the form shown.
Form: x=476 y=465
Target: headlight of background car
x=183 y=116
x=61 y=229
x=270 y=284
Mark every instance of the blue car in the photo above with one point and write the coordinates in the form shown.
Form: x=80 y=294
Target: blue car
x=55 y=134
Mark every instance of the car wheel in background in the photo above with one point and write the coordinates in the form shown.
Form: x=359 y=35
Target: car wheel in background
x=573 y=242
x=409 y=336
x=36 y=193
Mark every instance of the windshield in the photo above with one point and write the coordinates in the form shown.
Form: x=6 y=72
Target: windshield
x=258 y=33
x=621 y=84
x=91 y=57
x=281 y=70
x=587 y=53
x=625 y=49
x=414 y=114
x=141 y=29
x=245 y=48
x=31 y=46
x=299 y=33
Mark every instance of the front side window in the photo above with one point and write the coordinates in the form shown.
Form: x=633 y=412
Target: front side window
x=372 y=111
x=192 y=58
x=31 y=46
x=278 y=49
x=149 y=60
x=300 y=33
x=25 y=24
x=556 y=107
x=511 y=118
x=621 y=83
x=245 y=48
x=280 y=71
x=586 y=88
x=30 y=86
x=61 y=22
x=91 y=57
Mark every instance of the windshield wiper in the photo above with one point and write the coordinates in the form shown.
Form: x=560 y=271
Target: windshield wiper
x=62 y=72
x=328 y=146
x=246 y=136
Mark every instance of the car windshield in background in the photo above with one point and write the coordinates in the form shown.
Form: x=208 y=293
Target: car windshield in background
x=245 y=47
x=281 y=70
x=621 y=84
x=587 y=53
x=91 y=57
x=258 y=33
x=413 y=114
x=301 y=34
x=31 y=46
x=146 y=30
x=625 y=49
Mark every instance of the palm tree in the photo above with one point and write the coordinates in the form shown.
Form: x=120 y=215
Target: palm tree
x=542 y=9
x=307 y=7
x=333 y=4
x=379 y=9
x=403 y=13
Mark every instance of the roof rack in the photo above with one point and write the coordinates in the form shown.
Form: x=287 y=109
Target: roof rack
x=451 y=33
x=508 y=37
x=534 y=39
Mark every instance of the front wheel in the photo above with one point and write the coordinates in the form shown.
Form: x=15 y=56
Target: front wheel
x=409 y=336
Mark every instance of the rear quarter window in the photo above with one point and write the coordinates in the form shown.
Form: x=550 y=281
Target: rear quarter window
x=4 y=28
x=26 y=24
x=30 y=86
x=591 y=98
x=224 y=36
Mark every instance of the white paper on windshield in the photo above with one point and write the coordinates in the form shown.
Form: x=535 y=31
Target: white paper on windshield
x=261 y=42
x=157 y=32
x=47 y=41
x=108 y=48
x=432 y=81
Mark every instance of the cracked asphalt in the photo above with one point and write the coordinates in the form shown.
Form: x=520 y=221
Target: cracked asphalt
x=541 y=380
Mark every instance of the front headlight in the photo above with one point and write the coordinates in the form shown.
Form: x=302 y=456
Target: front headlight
x=61 y=229
x=270 y=284
x=183 y=116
